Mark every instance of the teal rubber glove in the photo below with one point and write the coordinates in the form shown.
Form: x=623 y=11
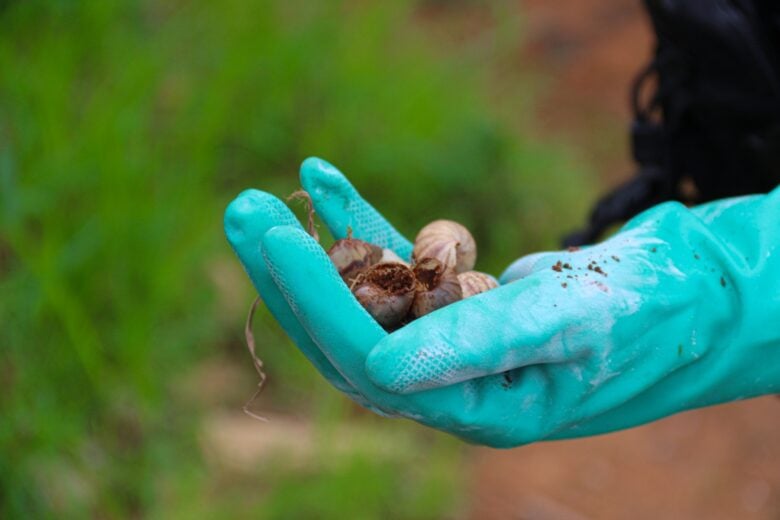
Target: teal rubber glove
x=681 y=309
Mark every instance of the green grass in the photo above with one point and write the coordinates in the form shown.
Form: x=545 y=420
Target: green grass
x=125 y=129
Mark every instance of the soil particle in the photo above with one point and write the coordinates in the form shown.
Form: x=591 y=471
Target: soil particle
x=653 y=250
x=564 y=285
x=558 y=267
x=567 y=266
x=599 y=270
x=394 y=278
x=616 y=259
x=722 y=282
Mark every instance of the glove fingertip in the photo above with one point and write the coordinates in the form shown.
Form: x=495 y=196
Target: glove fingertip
x=378 y=371
x=250 y=214
x=388 y=366
x=314 y=164
x=237 y=212
x=280 y=239
x=320 y=178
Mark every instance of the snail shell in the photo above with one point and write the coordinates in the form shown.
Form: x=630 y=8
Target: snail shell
x=352 y=256
x=474 y=282
x=386 y=291
x=449 y=242
x=437 y=286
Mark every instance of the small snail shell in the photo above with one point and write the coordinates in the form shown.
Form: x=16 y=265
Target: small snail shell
x=474 y=282
x=352 y=256
x=386 y=291
x=448 y=242
x=437 y=286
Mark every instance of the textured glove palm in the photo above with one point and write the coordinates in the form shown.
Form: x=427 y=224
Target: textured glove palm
x=678 y=310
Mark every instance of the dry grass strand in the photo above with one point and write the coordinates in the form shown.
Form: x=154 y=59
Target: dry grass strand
x=251 y=346
x=304 y=196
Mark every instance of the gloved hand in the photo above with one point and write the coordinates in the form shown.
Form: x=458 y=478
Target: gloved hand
x=680 y=309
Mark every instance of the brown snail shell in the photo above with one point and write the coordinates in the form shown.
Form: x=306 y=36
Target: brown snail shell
x=474 y=282
x=437 y=286
x=449 y=242
x=386 y=291
x=352 y=256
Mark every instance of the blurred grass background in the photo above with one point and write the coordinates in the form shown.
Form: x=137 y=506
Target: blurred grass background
x=125 y=129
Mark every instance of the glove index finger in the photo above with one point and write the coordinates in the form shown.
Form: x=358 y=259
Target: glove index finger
x=342 y=208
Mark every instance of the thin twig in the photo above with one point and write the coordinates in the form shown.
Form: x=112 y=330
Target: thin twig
x=357 y=280
x=250 y=344
x=304 y=195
